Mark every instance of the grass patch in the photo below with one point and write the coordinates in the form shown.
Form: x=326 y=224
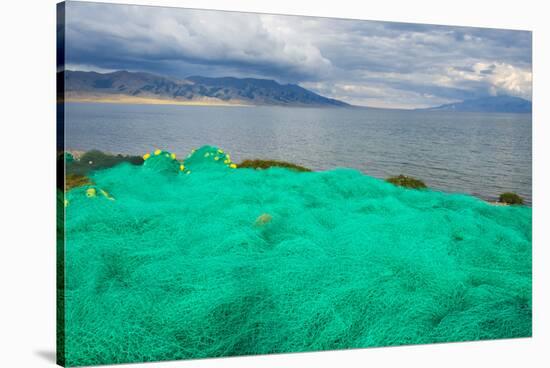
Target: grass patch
x=76 y=180
x=407 y=182
x=77 y=170
x=97 y=160
x=510 y=198
x=266 y=164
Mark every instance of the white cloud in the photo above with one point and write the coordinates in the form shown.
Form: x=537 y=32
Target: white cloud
x=362 y=62
x=498 y=78
x=377 y=95
x=197 y=36
x=88 y=68
x=508 y=79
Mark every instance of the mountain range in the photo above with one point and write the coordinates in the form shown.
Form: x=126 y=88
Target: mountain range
x=124 y=86
x=488 y=104
x=140 y=87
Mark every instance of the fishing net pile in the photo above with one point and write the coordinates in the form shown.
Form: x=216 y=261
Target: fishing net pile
x=189 y=259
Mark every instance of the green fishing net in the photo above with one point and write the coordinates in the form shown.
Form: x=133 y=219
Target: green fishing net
x=68 y=157
x=191 y=259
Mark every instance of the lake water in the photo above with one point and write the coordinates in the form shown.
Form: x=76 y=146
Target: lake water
x=483 y=154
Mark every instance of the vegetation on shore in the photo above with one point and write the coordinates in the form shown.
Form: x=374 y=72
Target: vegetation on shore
x=95 y=160
x=76 y=180
x=78 y=167
x=407 y=182
x=266 y=164
x=510 y=198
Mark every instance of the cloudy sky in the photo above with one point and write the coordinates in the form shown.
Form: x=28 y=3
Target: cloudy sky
x=380 y=64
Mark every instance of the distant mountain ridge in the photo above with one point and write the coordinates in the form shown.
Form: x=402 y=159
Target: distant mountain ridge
x=124 y=86
x=488 y=104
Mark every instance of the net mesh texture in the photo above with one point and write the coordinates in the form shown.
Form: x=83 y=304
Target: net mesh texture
x=192 y=259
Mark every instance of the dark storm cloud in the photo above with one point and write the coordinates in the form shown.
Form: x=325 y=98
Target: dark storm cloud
x=364 y=62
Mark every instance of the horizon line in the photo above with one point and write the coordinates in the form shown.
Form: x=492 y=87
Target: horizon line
x=63 y=69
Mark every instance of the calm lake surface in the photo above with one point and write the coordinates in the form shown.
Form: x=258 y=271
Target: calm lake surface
x=483 y=154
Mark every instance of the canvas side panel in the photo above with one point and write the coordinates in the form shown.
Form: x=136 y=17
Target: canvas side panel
x=60 y=186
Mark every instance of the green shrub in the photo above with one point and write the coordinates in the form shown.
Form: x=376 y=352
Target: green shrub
x=407 y=182
x=96 y=160
x=510 y=198
x=266 y=164
x=76 y=180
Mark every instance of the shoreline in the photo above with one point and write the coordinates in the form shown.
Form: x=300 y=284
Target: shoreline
x=77 y=154
x=134 y=100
